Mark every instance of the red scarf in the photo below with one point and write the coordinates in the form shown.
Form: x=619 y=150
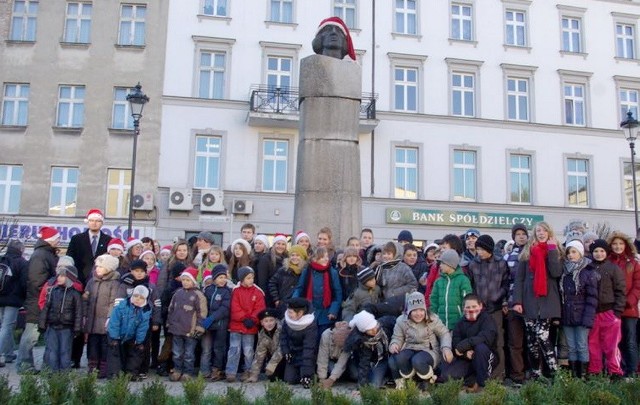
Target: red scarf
x=326 y=284
x=538 y=265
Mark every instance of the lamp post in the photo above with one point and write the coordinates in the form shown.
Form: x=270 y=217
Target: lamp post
x=631 y=123
x=137 y=99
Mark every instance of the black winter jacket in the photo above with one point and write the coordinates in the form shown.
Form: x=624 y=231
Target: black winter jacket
x=219 y=306
x=365 y=356
x=62 y=309
x=14 y=290
x=42 y=266
x=302 y=345
x=282 y=285
x=467 y=334
x=611 y=287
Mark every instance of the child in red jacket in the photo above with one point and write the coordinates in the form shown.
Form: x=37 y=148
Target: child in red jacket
x=247 y=300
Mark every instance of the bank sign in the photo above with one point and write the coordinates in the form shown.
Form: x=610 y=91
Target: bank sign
x=416 y=216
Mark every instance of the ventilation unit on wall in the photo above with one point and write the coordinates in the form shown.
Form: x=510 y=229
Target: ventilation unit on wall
x=211 y=201
x=143 y=202
x=242 y=207
x=180 y=199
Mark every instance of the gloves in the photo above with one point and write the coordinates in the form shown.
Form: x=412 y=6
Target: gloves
x=248 y=323
x=288 y=357
x=207 y=322
x=114 y=342
x=305 y=382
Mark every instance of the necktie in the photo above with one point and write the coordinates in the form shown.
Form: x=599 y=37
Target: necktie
x=94 y=244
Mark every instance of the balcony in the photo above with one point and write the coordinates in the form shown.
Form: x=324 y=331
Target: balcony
x=280 y=108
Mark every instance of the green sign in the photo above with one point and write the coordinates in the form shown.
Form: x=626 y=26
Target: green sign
x=415 y=216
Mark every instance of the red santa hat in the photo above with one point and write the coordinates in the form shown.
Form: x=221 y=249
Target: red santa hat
x=279 y=237
x=48 y=234
x=336 y=21
x=166 y=248
x=300 y=235
x=94 y=213
x=131 y=242
x=115 y=243
x=190 y=273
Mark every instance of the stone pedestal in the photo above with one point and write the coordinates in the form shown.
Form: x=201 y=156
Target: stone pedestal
x=328 y=191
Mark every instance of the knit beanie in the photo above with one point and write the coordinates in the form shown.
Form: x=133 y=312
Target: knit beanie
x=107 y=262
x=600 y=243
x=218 y=270
x=263 y=239
x=364 y=321
x=243 y=272
x=138 y=264
x=518 y=227
x=577 y=245
x=405 y=236
x=365 y=275
x=141 y=291
x=415 y=300
x=340 y=333
x=242 y=242
x=70 y=272
x=300 y=251
x=65 y=261
x=450 y=257
x=486 y=242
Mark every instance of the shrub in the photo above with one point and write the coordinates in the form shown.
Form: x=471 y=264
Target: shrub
x=534 y=393
x=278 y=393
x=154 y=393
x=194 y=390
x=5 y=390
x=84 y=389
x=493 y=394
x=58 y=387
x=30 y=391
x=371 y=395
x=447 y=393
x=603 y=398
x=116 y=390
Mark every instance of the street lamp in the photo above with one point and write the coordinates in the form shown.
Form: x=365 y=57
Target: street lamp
x=137 y=99
x=631 y=123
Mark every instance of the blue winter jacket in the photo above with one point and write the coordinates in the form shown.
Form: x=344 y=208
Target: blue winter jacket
x=129 y=322
x=321 y=313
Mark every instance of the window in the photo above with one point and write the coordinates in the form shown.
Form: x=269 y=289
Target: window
x=520 y=178
x=406 y=17
x=628 y=184
x=406 y=173
x=207 y=162
x=121 y=117
x=132 y=25
x=282 y=11
x=217 y=8
x=572 y=34
x=578 y=182
x=212 y=69
x=464 y=175
x=63 y=193
x=628 y=102
x=625 y=41
x=405 y=89
x=463 y=94
x=517 y=99
x=279 y=70
x=70 y=106
x=77 y=26
x=23 y=20
x=574 y=113
x=10 y=187
x=118 y=191
x=15 y=104
x=516 y=28
x=346 y=10
x=462 y=22
x=275 y=155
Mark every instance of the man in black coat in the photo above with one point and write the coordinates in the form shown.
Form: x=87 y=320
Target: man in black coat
x=86 y=246
x=12 y=294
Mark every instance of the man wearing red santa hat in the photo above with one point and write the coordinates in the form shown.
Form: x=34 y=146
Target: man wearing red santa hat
x=86 y=246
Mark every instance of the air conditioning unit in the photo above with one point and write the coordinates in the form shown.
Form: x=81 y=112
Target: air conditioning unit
x=242 y=207
x=211 y=201
x=143 y=202
x=180 y=199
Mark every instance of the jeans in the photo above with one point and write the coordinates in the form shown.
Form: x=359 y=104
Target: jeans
x=577 y=341
x=239 y=341
x=184 y=354
x=59 y=342
x=378 y=375
x=408 y=360
x=213 y=342
x=629 y=346
x=30 y=335
x=476 y=370
x=8 y=318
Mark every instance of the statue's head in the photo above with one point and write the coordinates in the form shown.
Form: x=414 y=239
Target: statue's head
x=333 y=39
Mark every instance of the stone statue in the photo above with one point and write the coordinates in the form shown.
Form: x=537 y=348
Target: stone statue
x=333 y=39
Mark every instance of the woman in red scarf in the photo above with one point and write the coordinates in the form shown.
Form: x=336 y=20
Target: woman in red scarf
x=537 y=297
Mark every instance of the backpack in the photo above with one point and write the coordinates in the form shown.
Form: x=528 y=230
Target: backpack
x=5 y=275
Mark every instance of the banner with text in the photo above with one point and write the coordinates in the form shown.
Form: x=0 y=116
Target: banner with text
x=29 y=231
x=416 y=216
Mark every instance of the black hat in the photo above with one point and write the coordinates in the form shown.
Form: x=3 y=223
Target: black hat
x=177 y=269
x=365 y=275
x=405 y=236
x=518 y=227
x=138 y=264
x=297 y=303
x=486 y=242
x=268 y=313
x=243 y=272
x=600 y=243
x=218 y=270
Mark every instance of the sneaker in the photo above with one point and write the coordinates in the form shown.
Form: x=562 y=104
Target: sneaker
x=399 y=383
x=175 y=376
x=216 y=375
x=231 y=378
x=2 y=363
x=142 y=376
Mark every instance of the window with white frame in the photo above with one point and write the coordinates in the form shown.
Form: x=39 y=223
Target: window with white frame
x=628 y=184
x=515 y=27
x=10 y=188
x=578 y=182
x=132 y=25
x=572 y=34
x=464 y=175
x=406 y=173
x=216 y=8
x=15 y=104
x=77 y=25
x=70 y=106
x=275 y=157
x=463 y=94
x=574 y=104
x=628 y=102
x=211 y=74
x=23 y=20
x=346 y=10
x=405 y=86
x=118 y=192
x=625 y=41
x=406 y=18
x=520 y=178
x=281 y=11
x=63 y=192
x=462 y=21
x=207 y=162
x=518 y=99
x=121 y=115
x=279 y=71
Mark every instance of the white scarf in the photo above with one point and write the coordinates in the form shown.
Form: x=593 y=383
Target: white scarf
x=301 y=323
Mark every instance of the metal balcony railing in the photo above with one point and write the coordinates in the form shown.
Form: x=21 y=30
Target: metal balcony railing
x=286 y=100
